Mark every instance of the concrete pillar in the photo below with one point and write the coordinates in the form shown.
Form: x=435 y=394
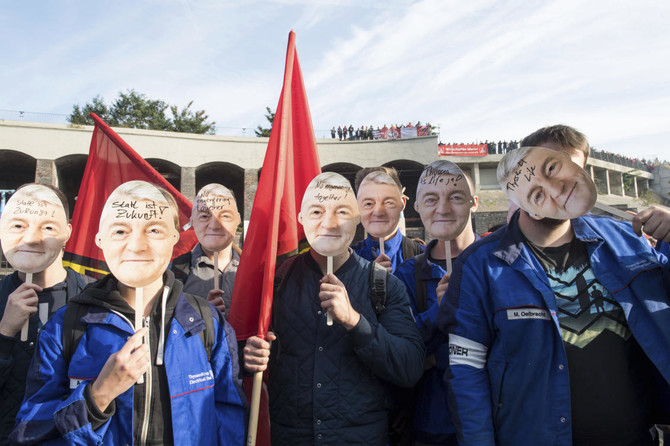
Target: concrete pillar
x=591 y=172
x=623 y=186
x=607 y=177
x=475 y=170
x=45 y=172
x=635 y=185
x=250 y=186
x=187 y=184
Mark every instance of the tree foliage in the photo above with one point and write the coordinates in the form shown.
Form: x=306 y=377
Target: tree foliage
x=135 y=110
x=270 y=116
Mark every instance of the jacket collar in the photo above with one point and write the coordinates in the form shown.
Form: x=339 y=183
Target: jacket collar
x=512 y=240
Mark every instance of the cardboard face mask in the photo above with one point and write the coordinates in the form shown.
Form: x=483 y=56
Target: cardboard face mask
x=33 y=229
x=214 y=220
x=137 y=235
x=547 y=183
x=444 y=201
x=329 y=216
x=380 y=206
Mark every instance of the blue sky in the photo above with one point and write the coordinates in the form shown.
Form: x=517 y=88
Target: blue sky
x=481 y=69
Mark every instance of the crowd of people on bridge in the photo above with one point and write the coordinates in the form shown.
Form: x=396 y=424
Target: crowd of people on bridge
x=344 y=133
x=554 y=329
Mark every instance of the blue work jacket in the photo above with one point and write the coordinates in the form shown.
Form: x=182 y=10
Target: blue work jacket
x=508 y=371
x=206 y=406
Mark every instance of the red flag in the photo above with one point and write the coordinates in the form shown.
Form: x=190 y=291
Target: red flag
x=291 y=162
x=111 y=162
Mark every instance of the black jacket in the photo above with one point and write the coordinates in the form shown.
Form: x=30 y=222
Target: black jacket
x=15 y=355
x=328 y=386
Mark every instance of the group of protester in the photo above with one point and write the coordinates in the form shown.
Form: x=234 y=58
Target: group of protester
x=344 y=133
x=554 y=329
x=644 y=164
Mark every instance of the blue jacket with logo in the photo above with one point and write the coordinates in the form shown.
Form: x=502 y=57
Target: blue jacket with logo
x=206 y=399
x=508 y=372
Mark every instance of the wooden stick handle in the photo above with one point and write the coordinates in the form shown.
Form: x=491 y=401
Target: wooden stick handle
x=24 y=329
x=381 y=246
x=447 y=253
x=139 y=315
x=254 y=408
x=329 y=270
x=216 y=270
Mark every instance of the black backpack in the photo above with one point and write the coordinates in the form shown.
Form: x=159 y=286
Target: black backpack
x=410 y=248
x=74 y=327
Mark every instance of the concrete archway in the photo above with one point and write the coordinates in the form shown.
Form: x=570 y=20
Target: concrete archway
x=347 y=170
x=70 y=171
x=169 y=170
x=16 y=168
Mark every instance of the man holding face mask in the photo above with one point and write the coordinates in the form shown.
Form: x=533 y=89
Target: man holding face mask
x=33 y=231
x=445 y=201
x=214 y=219
x=327 y=382
x=558 y=324
x=381 y=202
x=172 y=380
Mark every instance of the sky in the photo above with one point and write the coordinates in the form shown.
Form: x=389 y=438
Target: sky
x=477 y=69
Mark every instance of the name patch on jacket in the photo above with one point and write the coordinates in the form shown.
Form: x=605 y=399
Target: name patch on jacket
x=528 y=313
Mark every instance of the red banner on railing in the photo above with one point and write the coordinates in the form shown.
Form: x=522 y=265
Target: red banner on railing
x=462 y=149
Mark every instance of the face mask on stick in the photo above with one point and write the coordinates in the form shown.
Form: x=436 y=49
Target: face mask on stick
x=329 y=216
x=33 y=232
x=444 y=201
x=546 y=183
x=137 y=234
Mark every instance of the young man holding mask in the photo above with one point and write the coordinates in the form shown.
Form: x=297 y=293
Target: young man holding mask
x=33 y=229
x=558 y=328
x=327 y=383
x=189 y=394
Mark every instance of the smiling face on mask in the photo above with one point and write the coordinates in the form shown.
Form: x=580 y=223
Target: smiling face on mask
x=215 y=219
x=137 y=234
x=444 y=200
x=329 y=215
x=547 y=183
x=380 y=206
x=33 y=229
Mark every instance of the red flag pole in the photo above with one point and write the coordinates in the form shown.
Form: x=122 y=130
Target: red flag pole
x=279 y=174
x=291 y=161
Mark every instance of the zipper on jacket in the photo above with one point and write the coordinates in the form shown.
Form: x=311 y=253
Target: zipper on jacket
x=145 y=422
x=144 y=431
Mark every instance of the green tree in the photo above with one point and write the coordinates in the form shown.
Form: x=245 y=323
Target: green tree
x=270 y=116
x=135 y=110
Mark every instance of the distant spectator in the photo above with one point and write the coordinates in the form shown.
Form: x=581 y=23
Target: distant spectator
x=339 y=132
x=332 y=132
x=351 y=131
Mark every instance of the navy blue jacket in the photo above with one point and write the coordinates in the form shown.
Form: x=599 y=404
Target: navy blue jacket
x=327 y=384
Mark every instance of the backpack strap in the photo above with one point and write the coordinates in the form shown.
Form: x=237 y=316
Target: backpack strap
x=420 y=285
x=378 y=287
x=181 y=266
x=73 y=328
x=409 y=247
x=207 y=335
